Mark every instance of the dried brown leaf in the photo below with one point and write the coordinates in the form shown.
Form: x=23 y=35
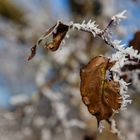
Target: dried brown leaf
x=135 y=42
x=100 y=94
x=51 y=39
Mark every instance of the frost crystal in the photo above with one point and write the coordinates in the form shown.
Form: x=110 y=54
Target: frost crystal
x=122 y=57
x=106 y=34
x=89 y=27
x=114 y=129
x=120 y=16
x=101 y=126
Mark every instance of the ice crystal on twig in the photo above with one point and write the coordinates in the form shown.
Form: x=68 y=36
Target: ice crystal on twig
x=115 y=130
x=119 y=17
x=106 y=34
x=90 y=26
x=101 y=126
x=121 y=57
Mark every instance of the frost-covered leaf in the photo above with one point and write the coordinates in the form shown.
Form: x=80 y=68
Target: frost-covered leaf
x=99 y=94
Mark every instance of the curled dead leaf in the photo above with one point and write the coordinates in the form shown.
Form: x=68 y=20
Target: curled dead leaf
x=100 y=94
x=51 y=39
x=135 y=42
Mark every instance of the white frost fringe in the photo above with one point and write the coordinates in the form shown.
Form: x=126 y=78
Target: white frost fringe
x=101 y=126
x=119 y=17
x=114 y=129
x=89 y=27
x=121 y=59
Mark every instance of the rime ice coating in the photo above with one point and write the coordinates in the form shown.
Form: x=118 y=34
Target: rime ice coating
x=90 y=26
x=121 y=58
x=119 y=17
